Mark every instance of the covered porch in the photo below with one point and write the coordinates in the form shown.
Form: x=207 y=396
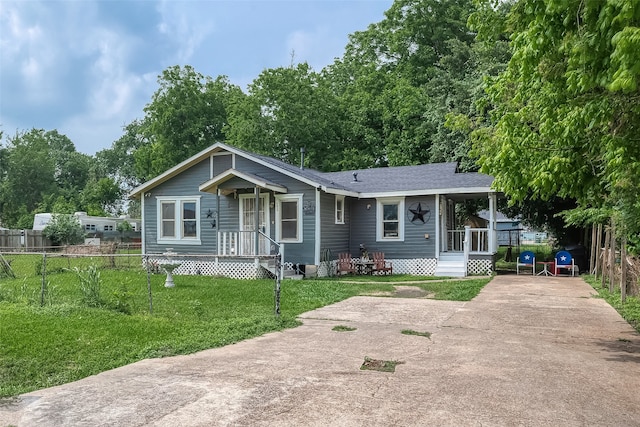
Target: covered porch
x=464 y=248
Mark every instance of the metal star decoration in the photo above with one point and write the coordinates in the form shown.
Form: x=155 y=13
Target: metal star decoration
x=419 y=213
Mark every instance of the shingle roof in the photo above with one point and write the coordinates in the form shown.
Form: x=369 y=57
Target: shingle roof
x=422 y=179
x=433 y=176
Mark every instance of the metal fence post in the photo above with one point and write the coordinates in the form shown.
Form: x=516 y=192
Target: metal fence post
x=146 y=263
x=44 y=278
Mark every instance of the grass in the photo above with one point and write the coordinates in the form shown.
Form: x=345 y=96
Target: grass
x=370 y=364
x=629 y=310
x=59 y=336
x=454 y=290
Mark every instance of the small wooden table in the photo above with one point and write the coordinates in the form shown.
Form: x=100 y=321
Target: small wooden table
x=545 y=268
x=363 y=266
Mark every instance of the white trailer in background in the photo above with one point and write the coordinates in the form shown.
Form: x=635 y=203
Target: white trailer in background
x=91 y=224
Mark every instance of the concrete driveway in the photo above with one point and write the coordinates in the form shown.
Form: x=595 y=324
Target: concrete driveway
x=526 y=352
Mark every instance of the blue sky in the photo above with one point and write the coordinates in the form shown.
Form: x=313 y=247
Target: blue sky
x=87 y=67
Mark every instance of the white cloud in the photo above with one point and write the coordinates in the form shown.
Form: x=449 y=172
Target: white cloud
x=27 y=48
x=187 y=27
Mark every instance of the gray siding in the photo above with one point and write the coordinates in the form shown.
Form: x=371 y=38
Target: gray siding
x=184 y=184
x=415 y=245
x=221 y=164
x=335 y=237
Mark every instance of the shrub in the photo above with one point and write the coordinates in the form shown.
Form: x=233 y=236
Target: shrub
x=64 y=229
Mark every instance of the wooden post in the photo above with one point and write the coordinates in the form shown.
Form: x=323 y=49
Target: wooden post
x=592 y=255
x=612 y=256
x=605 y=255
x=598 y=250
x=623 y=269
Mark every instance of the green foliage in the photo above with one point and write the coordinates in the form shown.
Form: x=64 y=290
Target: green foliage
x=124 y=226
x=186 y=114
x=564 y=114
x=286 y=109
x=40 y=171
x=64 y=229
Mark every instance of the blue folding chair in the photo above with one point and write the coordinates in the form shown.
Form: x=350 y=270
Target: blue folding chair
x=526 y=259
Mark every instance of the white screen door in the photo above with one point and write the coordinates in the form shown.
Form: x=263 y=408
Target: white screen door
x=247 y=223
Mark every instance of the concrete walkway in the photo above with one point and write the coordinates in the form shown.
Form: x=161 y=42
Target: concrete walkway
x=526 y=352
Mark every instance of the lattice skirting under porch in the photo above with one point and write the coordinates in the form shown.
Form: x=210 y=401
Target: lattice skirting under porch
x=479 y=266
x=232 y=269
x=249 y=269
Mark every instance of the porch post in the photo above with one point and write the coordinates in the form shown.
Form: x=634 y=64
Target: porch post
x=438 y=226
x=318 y=242
x=492 y=223
x=256 y=191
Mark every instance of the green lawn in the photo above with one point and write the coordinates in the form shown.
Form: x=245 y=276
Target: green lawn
x=629 y=310
x=71 y=336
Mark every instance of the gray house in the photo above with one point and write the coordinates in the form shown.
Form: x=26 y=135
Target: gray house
x=231 y=210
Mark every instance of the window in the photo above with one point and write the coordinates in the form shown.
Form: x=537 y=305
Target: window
x=90 y=227
x=390 y=219
x=339 y=209
x=108 y=228
x=178 y=220
x=289 y=218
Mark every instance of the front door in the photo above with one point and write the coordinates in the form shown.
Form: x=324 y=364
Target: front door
x=248 y=223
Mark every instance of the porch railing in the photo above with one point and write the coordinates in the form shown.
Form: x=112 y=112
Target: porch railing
x=243 y=243
x=479 y=240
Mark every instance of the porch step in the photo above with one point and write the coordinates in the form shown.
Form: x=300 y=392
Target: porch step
x=450 y=265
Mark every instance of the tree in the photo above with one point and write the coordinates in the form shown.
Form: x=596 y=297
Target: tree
x=565 y=115
x=400 y=79
x=29 y=176
x=64 y=229
x=186 y=114
x=286 y=109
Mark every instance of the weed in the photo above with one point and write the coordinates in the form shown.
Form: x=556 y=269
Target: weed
x=196 y=306
x=122 y=299
x=412 y=332
x=90 y=285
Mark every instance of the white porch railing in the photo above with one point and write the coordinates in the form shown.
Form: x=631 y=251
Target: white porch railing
x=479 y=241
x=243 y=243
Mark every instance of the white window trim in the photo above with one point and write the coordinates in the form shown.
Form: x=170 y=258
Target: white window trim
x=178 y=239
x=287 y=198
x=380 y=215
x=339 y=199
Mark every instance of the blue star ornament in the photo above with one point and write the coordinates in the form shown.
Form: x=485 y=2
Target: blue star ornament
x=527 y=257
x=418 y=213
x=563 y=258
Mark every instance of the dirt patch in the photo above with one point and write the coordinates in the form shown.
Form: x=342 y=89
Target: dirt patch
x=411 y=292
x=402 y=291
